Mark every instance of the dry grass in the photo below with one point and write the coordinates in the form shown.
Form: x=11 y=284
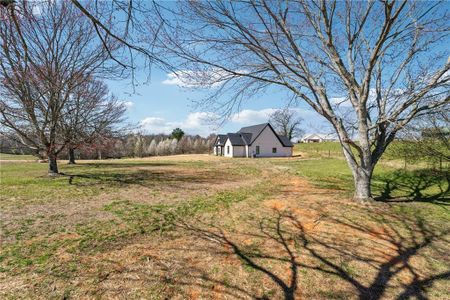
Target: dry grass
x=202 y=227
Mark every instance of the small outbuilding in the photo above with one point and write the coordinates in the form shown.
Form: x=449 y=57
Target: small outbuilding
x=253 y=141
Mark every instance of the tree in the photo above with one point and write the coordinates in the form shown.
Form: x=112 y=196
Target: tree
x=90 y=113
x=435 y=136
x=286 y=123
x=427 y=138
x=139 y=146
x=152 y=148
x=173 y=146
x=368 y=67
x=177 y=133
x=44 y=57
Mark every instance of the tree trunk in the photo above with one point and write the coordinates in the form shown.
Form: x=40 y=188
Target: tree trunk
x=52 y=164
x=71 y=156
x=362 y=178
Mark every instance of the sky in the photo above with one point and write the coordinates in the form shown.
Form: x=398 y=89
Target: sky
x=163 y=104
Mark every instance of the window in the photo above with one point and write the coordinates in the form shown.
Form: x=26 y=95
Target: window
x=274 y=150
x=228 y=149
x=257 y=149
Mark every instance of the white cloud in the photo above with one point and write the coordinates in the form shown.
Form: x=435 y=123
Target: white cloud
x=340 y=101
x=201 y=123
x=193 y=79
x=200 y=119
x=36 y=10
x=174 y=79
x=198 y=79
x=249 y=117
x=158 y=125
x=128 y=104
x=205 y=123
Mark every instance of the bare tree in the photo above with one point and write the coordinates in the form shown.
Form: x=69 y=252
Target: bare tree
x=367 y=67
x=48 y=49
x=286 y=122
x=90 y=113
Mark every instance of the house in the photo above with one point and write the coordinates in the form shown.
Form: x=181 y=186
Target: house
x=253 y=141
x=317 y=138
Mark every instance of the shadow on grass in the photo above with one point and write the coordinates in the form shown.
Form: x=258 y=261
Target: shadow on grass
x=392 y=244
x=145 y=178
x=384 y=255
x=413 y=186
x=125 y=164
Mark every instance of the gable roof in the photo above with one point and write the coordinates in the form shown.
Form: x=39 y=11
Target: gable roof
x=251 y=133
x=247 y=135
x=285 y=141
x=220 y=140
x=236 y=139
x=318 y=136
x=254 y=131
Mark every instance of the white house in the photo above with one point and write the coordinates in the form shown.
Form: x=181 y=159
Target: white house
x=253 y=141
x=317 y=138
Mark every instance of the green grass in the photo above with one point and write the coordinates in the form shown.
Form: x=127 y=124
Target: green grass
x=325 y=149
x=146 y=218
x=38 y=236
x=121 y=219
x=5 y=156
x=387 y=182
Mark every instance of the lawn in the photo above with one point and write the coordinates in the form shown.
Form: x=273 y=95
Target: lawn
x=4 y=156
x=198 y=226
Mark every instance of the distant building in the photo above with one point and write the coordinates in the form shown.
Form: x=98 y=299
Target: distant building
x=253 y=141
x=317 y=138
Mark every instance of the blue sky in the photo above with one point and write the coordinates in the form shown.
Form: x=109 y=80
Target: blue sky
x=162 y=104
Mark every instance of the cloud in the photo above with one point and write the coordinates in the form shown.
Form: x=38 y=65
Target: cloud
x=200 y=119
x=36 y=10
x=158 y=125
x=248 y=116
x=128 y=104
x=201 y=123
x=340 y=101
x=205 y=123
x=194 y=79
x=174 y=79
x=199 y=79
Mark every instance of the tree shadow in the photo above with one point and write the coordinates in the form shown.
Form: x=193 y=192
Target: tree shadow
x=268 y=229
x=144 y=178
x=411 y=186
x=106 y=164
x=390 y=245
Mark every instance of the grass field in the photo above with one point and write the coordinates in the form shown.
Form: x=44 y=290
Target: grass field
x=204 y=227
x=4 y=156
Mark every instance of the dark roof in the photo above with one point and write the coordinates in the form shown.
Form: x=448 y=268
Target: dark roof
x=221 y=139
x=254 y=131
x=236 y=139
x=285 y=141
x=247 y=135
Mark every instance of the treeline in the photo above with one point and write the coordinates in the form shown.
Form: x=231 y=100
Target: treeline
x=158 y=145
x=131 y=145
